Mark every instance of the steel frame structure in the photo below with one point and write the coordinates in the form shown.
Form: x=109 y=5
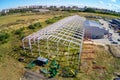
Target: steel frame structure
x=63 y=36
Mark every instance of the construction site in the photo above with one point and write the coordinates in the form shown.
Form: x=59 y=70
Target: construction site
x=64 y=49
x=60 y=40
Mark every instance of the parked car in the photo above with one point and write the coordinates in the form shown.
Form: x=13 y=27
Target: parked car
x=114 y=42
x=118 y=39
x=116 y=79
x=110 y=39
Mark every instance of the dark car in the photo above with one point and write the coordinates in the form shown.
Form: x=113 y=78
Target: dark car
x=110 y=39
x=114 y=42
x=116 y=79
x=118 y=39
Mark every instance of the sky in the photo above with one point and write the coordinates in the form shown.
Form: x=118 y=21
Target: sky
x=105 y=4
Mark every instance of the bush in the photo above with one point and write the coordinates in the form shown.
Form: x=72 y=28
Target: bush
x=37 y=24
x=21 y=36
x=19 y=31
x=4 y=37
x=50 y=21
x=31 y=27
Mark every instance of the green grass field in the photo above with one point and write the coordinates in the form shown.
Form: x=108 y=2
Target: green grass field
x=26 y=17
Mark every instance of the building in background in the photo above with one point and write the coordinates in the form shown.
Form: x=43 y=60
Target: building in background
x=40 y=10
x=94 y=30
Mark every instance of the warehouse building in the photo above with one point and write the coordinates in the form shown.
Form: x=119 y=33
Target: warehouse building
x=94 y=30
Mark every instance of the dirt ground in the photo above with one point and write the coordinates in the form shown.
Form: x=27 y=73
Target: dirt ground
x=98 y=63
x=87 y=56
x=10 y=69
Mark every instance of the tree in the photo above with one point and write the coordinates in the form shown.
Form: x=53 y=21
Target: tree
x=49 y=21
x=4 y=37
x=89 y=10
x=37 y=24
x=54 y=19
x=19 y=31
x=31 y=27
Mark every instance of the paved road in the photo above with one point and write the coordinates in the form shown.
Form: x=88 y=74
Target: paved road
x=105 y=40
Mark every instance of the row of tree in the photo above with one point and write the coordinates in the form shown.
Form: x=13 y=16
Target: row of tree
x=87 y=9
x=53 y=20
x=12 y=11
x=92 y=10
x=35 y=25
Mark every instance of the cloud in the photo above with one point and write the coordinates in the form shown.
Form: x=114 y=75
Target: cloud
x=38 y=2
x=101 y=2
x=113 y=5
x=109 y=4
x=113 y=0
x=116 y=5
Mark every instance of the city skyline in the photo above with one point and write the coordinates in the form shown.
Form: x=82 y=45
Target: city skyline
x=102 y=4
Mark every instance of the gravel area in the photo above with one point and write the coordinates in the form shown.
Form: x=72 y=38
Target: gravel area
x=115 y=50
x=105 y=40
